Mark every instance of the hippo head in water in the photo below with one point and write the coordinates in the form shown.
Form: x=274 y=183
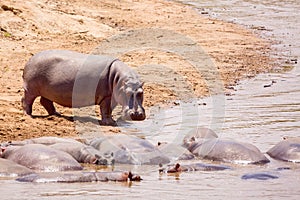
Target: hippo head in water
x=198 y=135
x=131 y=99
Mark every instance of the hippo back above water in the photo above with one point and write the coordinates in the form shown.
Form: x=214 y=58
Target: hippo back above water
x=41 y=157
x=204 y=143
x=286 y=150
x=73 y=79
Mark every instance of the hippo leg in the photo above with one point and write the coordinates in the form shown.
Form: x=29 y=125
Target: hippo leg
x=106 y=111
x=27 y=102
x=48 y=105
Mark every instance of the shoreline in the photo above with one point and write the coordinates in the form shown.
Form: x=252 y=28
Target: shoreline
x=237 y=52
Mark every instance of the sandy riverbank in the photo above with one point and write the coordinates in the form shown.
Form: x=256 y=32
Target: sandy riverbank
x=31 y=26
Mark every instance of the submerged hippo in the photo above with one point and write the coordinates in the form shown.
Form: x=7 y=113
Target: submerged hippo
x=79 y=176
x=130 y=150
x=286 y=150
x=198 y=134
x=259 y=176
x=224 y=150
x=195 y=167
x=76 y=80
x=41 y=157
x=9 y=168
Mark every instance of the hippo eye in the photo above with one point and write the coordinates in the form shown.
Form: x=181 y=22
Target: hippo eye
x=128 y=89
x=128 y=92
x=117 y=79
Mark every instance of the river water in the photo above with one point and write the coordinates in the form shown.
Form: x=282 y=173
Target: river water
x=261 y=111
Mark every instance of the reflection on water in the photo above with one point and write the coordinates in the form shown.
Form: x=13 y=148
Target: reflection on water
x=261 y=111
x=273 y=18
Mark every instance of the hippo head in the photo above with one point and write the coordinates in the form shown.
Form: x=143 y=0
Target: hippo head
x=132 y=101
x=197 y=136
x=133 y=177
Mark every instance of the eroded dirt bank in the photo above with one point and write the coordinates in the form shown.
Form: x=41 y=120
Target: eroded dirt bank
x=30 y=26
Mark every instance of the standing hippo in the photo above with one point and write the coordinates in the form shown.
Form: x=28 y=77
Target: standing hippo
x=76 y=80
x=286 y=150
x=206 y=144
x=41 y=157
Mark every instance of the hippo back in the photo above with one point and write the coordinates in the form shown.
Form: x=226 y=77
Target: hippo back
x=175 y=152
x=46 y=140
x=84 y=153
x=230 y=151
x=286 y=150
x=41 y=157
x=9 y=168
x=53 y=74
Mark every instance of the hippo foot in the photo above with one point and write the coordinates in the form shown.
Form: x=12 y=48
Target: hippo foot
x=56 y=114
x=108 y=122
x=50 y=116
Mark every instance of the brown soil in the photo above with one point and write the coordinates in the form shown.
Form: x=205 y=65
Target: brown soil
x=28 y=27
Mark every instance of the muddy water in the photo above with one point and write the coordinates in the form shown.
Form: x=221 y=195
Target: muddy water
x=261 y=111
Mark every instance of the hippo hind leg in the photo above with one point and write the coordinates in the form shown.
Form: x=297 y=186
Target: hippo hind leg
x=48 y=105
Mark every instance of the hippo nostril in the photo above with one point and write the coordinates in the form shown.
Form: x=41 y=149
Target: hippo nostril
x=142 y=116
x=132 y=114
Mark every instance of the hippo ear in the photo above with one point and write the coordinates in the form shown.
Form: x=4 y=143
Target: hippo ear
x=193 y=139
x=177 y=166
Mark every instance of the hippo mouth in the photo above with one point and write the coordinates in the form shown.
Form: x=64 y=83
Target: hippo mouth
x=134 y=115
x=137 y=116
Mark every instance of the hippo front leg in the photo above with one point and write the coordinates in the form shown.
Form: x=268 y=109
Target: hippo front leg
x=27 y=101
x=106 y=112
